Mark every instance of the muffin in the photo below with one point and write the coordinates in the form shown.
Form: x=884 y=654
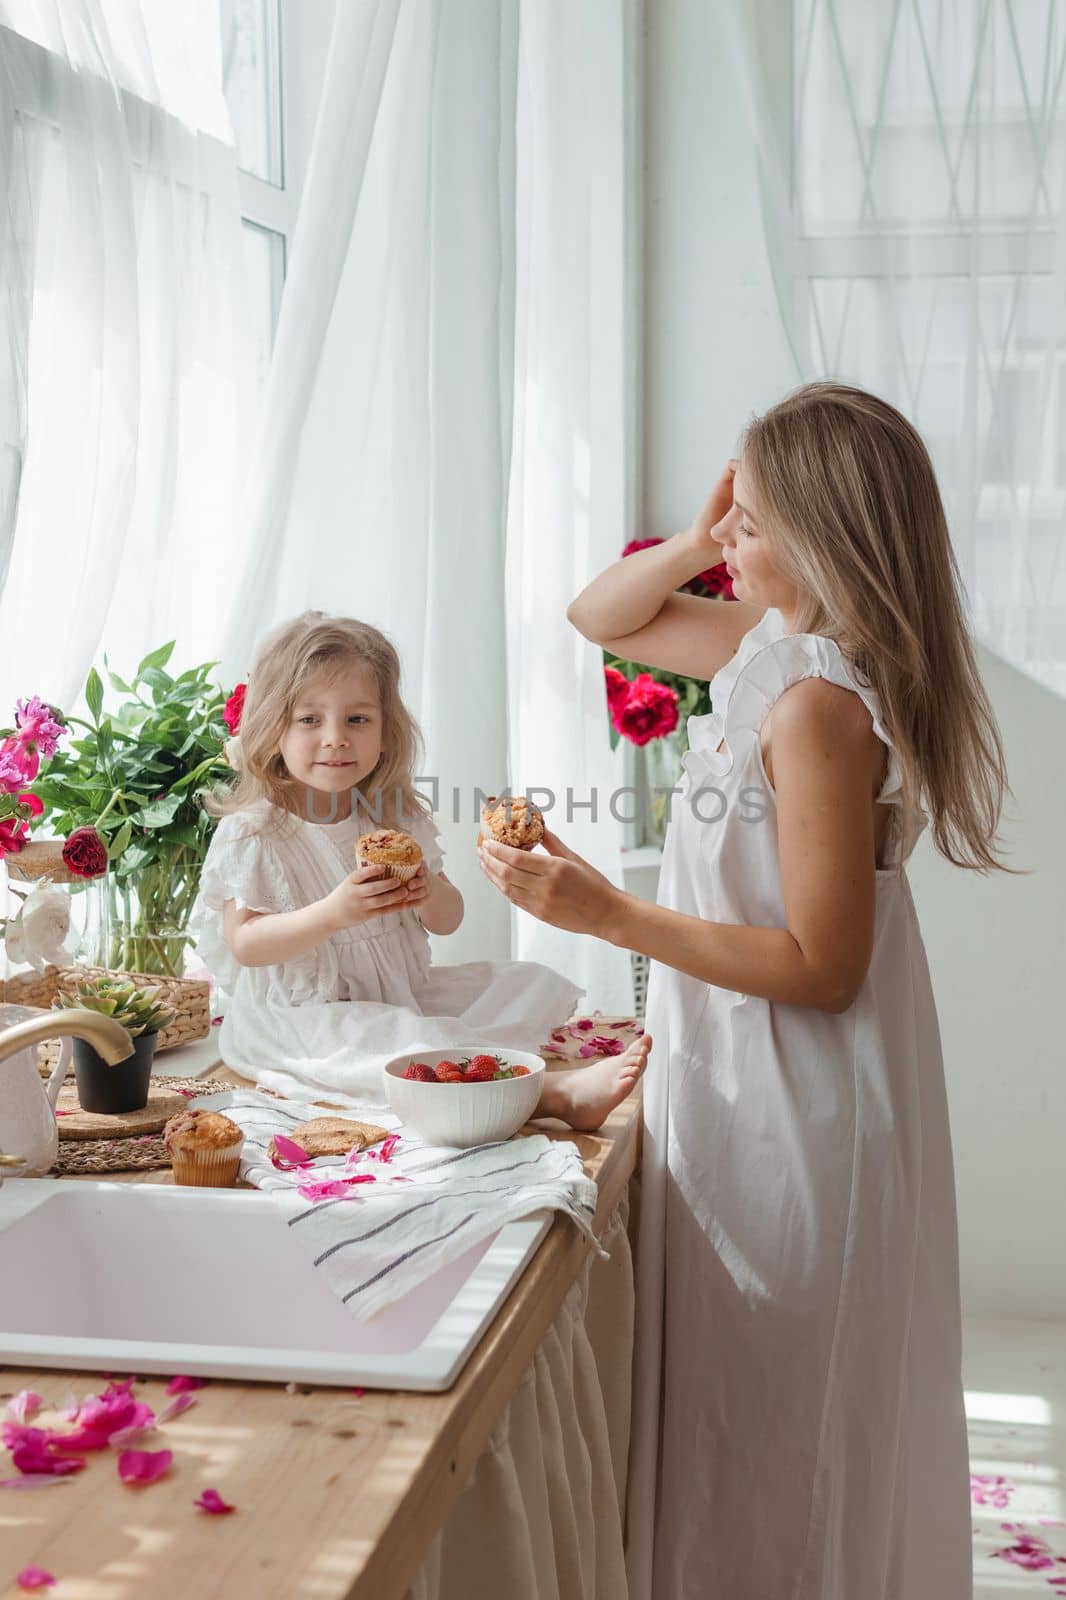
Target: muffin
x=396 y=852
x=514 y=822
x=204 y=1148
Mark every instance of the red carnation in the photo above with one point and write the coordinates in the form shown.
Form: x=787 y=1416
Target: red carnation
x=234 y=707
x=639 y=544
x=649 y=712
x=85 y=853
x=617 y=689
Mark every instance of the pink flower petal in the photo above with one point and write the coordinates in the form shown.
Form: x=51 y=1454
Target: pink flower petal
x=289 y=1154
x=35 y=1578
x=144 y=1466
x=212 y=1502
x=22 y=1406
x=180 y=1403
x=359 y=1393
x=181 y=1384
x=332 y=1188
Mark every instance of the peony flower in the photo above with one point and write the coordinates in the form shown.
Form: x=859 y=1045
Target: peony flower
x=14 y=749
x=717 y=581
x=40 y=724
x=13 y=835
x=617 y=689
x=649 y=712
x=638 y=544
x=233 y=710
x=36 y=935
x=85 y=853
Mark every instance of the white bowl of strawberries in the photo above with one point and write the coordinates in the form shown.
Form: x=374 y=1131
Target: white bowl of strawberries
x=464 y=1097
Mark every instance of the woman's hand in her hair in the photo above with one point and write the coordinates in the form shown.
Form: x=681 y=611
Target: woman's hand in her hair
x=719 y=506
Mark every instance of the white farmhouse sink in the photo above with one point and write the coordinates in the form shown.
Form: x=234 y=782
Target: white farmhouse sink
x=141 y=1278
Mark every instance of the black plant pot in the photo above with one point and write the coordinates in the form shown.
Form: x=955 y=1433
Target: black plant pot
x=123 y=1087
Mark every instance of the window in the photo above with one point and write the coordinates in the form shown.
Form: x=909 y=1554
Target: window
x=928 y=147
x=253 y=77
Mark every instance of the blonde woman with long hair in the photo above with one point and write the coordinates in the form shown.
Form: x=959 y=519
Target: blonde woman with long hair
x=327 y=963
x=798 y=1426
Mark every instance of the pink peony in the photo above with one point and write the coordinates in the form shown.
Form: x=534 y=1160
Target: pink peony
x=717 y=581
x=234 y=708
x=39 y=724
x=650 y=711
x=13 y=835
x=617 y=689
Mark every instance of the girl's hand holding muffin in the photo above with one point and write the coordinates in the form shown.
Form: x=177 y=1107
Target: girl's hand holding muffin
x=364 y=894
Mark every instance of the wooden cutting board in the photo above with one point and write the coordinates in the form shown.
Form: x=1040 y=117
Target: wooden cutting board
x=79 y=1124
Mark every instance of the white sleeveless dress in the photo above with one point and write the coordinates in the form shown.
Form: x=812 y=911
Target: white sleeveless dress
x=798 y=1425
x=330 y=1019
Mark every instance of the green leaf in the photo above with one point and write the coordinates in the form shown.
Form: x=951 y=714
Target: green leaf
x=120 y=841
x=157 y=658
x=94 y=694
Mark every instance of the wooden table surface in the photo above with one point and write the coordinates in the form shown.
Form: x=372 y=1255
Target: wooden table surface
x=338 y=1495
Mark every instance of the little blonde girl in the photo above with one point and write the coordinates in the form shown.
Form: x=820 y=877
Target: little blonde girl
x=328 y=964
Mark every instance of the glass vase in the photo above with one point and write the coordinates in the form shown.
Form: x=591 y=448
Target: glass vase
x=148 y=915
x=661 y=786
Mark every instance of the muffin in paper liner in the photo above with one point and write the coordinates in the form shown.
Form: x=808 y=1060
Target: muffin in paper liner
x=205 y=1148
x=397 y=854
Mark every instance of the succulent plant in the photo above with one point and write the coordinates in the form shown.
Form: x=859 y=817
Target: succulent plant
x=134 y=1008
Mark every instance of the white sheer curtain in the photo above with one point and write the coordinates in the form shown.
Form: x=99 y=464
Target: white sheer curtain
x=380 y=480
x=573 y=469
x=914 y=169
x=123 y=369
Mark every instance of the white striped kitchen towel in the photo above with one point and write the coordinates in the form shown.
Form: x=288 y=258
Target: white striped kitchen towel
x=426 y=1206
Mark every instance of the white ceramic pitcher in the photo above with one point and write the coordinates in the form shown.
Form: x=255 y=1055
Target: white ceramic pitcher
x=28 y=1105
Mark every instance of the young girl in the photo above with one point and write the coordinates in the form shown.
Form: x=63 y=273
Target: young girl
x=328 y=964
x=798 y=1420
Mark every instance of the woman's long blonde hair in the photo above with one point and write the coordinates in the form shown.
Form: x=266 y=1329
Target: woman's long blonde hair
x=316 y=645
x=848 y=498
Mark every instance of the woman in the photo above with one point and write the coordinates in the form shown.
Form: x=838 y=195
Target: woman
x=798 y=1419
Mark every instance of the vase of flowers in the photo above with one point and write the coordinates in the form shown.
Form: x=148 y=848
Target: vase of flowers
x=124 y=1086
x=124 y=794
x=650 y=707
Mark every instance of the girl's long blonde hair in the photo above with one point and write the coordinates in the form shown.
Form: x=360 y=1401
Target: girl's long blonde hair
x=316 y=645
x=848 y=498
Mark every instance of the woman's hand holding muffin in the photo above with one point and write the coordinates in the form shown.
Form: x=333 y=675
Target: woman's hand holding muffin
x=558 y=887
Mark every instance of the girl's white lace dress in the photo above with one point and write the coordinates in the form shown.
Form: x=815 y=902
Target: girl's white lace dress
x=332 y=1018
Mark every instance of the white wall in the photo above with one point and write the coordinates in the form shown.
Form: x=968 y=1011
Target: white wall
x=997 y=947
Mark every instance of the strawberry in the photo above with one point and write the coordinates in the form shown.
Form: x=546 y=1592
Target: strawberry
x=420 y=1073
x=449 y=1066
x=519 y=1072
x=482 y=1070
x=450 y=1074
x=492 y=1062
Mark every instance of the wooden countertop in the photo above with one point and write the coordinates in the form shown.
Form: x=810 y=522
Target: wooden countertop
x=338 y=1495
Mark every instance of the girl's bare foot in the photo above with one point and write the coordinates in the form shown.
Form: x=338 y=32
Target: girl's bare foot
x=585 y=1096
